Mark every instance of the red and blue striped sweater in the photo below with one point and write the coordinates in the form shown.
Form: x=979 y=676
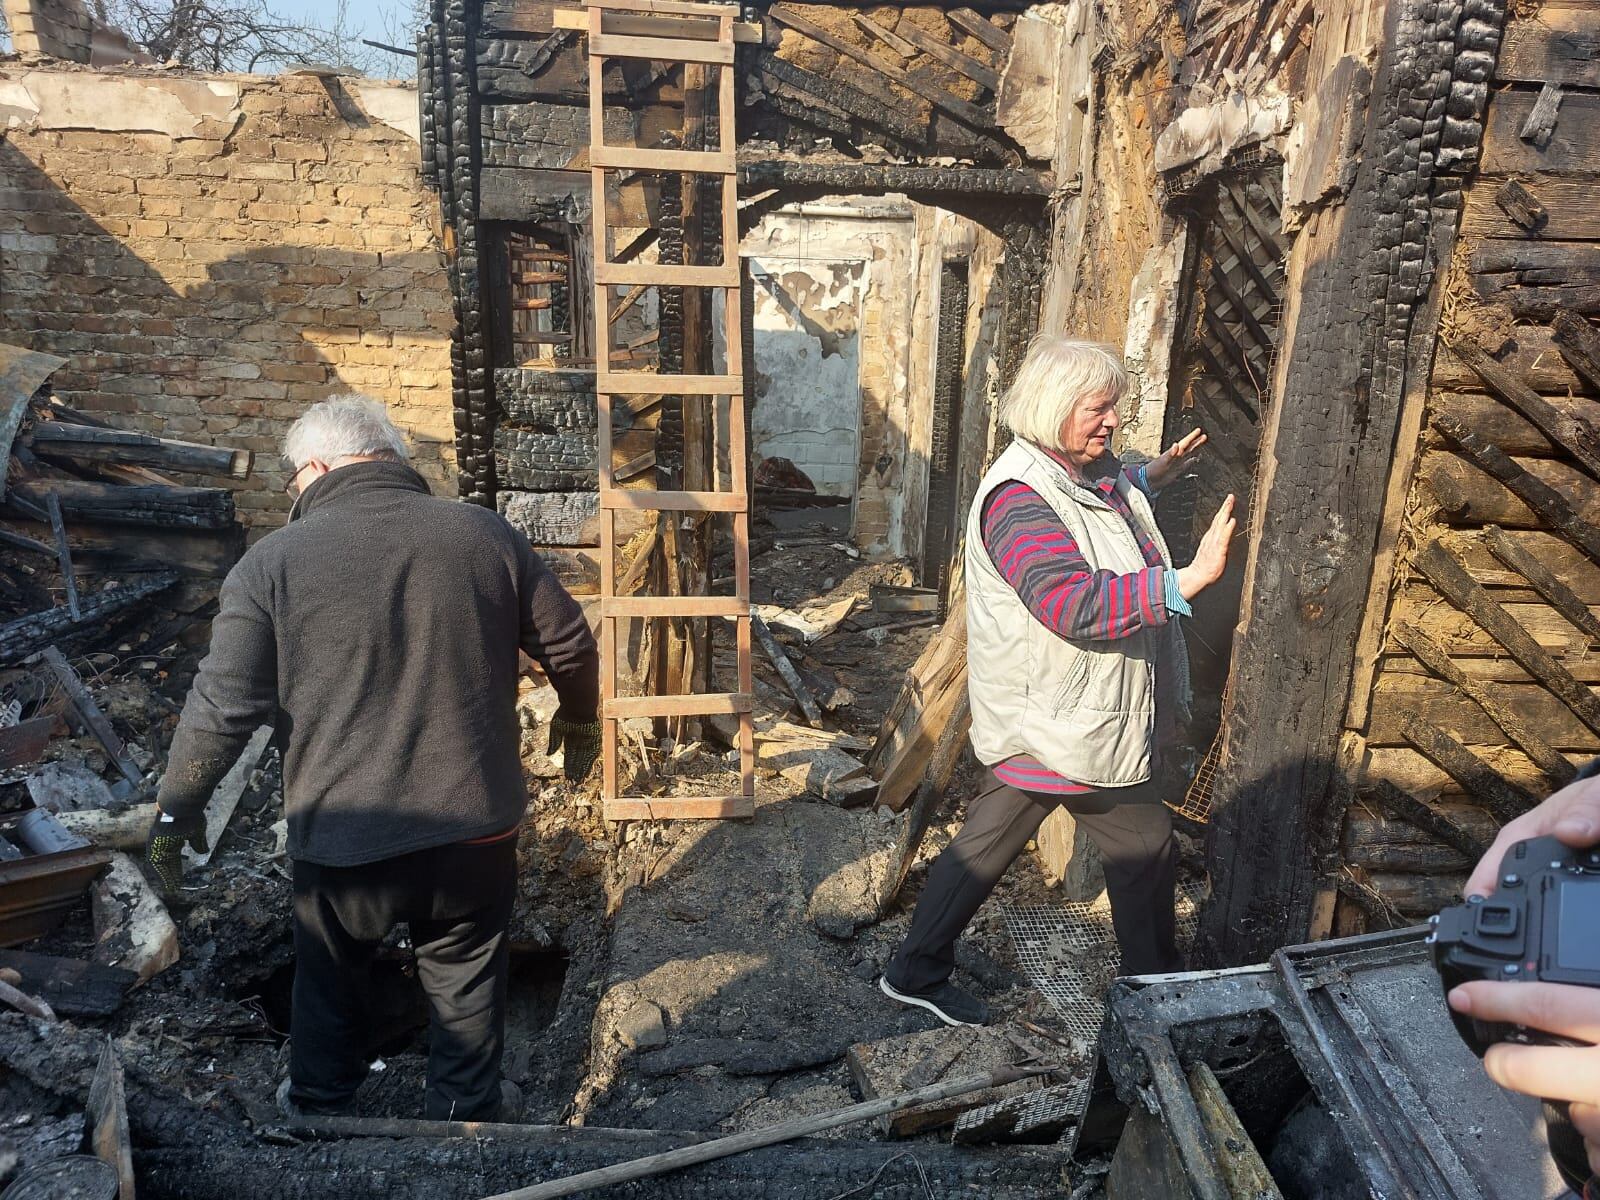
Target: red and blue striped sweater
x=1036 y=554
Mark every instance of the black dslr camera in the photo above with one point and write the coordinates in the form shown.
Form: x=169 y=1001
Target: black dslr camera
x=1541 y=925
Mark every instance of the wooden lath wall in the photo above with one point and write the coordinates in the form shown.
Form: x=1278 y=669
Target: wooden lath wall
x=1476 y=690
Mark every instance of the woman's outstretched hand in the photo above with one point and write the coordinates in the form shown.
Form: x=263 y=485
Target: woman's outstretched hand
x=1211 y=558
x=1169 y=468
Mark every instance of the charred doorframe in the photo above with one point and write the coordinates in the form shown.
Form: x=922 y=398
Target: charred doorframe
x=1360 y=325
x=948 y=378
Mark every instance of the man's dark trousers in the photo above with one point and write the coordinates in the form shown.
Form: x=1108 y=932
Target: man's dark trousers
x=457 y=901
x=1131 y=829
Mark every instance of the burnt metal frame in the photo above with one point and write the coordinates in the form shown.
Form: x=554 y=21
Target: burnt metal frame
x=1325 y=1027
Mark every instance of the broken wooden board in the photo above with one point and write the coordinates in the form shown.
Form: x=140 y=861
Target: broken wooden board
x=915 y=1060
x=825 y=772
x=108 y=1120
x=89 y=712
x=133 y=929
x=71 y=986
x=220 y=809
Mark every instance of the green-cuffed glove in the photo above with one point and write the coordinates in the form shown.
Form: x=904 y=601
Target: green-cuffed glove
x=579 y=743
x=163 y=848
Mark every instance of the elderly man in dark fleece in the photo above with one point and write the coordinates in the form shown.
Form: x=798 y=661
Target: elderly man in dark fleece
x=378 y=632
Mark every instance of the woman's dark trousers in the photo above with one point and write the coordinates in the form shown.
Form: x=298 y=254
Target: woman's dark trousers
x=1131 y=829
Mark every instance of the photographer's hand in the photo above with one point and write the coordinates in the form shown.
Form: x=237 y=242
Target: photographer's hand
x=1572 y=814
x=1550 y=1072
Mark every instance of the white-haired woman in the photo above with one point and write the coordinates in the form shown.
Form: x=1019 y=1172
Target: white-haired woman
x=1072 y=654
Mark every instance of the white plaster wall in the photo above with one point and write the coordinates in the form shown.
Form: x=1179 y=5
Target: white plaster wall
x=859 y=254
x=808 y=367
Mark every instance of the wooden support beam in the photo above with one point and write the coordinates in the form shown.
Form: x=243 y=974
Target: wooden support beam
x=1328 y=438
x=1522 y=735
x=1550 y=505
x=1572 y=434
x=1480 y=781
x=1446 y=573
x=968 y=114
x=1579 y=343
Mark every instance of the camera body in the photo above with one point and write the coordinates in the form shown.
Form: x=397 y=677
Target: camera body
x=1541 y=925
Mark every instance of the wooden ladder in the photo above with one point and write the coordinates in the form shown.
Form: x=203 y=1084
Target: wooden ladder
x=659 y=30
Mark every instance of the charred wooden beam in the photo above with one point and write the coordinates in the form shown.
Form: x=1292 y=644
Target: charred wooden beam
x=1522 y=735
x=1446 y=573
x=876 y=179
x=1579 y=344
x=1477 y=778
x=138 y=504
x=1521 y=205
x=30 y=634
x=553 y=518
x=1406 y=807
x=968 y=114
x=555 y=400
x=1356 y=337
x=1572 y=434
x=1562 y=598
x=879 y=112
x=1549 y=504
x=84 y=443
x=545 y=462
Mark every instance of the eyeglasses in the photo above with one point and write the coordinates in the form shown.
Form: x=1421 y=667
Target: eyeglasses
x=293 y=488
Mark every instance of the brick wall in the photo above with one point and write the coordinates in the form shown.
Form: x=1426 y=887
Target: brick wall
x=214 y=254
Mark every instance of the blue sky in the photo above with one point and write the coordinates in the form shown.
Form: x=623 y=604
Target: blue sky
x=367 y=19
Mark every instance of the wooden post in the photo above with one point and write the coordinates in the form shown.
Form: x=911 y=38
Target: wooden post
x=1357 y=330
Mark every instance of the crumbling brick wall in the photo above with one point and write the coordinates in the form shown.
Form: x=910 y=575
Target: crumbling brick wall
x=214 y=254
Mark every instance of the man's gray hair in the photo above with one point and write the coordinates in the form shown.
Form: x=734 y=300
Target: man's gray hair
x=344 y=427
x=1057 y=375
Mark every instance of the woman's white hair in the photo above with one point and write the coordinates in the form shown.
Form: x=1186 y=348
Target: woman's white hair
x=1057 y=374
x=344 y=427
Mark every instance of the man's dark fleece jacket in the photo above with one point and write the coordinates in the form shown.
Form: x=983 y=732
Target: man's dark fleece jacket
x=378 y=631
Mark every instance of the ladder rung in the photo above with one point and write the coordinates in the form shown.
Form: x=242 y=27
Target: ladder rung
x=645 y=498
x=667 y=274
x=674 y=606
x=701 y=703
x=676 y=7
x=659 y=49
x=652 y=383
x=639 y=158
x=680 y=808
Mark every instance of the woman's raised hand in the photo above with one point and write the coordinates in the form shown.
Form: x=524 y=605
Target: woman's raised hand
x=1211 y=557
x=1169 y=468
